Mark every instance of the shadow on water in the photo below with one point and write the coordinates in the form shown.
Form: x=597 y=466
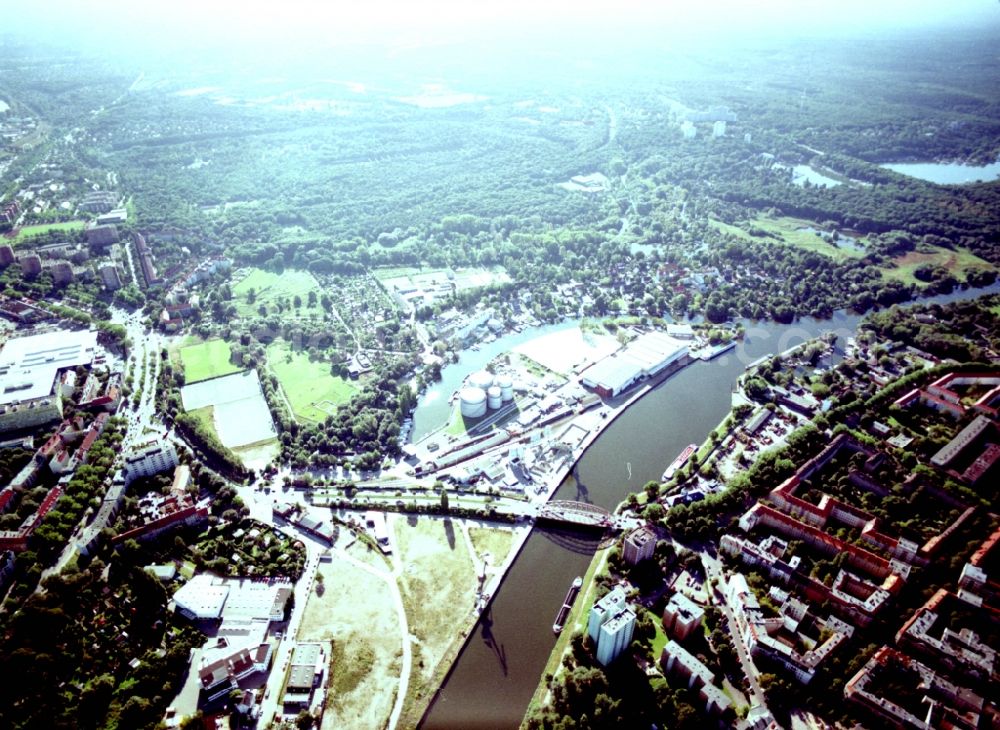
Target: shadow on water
x=486 y=631
x=576 y=541
x=582 y=493
x=449 y=531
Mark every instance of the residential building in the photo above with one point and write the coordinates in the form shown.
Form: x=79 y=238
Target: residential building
x=979 y=583
x=99 y=201
x=110 y=277
x=639 y=545
x=62 y=273
x=108 y=510
x=776 y=638
x=965 y=438
x=611 y=625
x=17 y=540
x=906 y=693
x=159 y=513
x=149 y=460
x=679 y=662
x=937 y=631
x=7 y=561
x=31 y=265
x=682 y=616
x=100 y=236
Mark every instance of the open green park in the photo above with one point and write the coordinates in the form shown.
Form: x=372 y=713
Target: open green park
x=205 y=360
x=796 y=232
x=270 y=289
x=311 y=390
x=956 y=261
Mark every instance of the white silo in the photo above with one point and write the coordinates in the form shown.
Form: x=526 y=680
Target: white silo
x=493 y=398
x=506 y=385
x=481 y=379
x=473 y=402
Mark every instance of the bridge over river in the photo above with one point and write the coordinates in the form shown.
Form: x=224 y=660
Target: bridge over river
x=584 y=514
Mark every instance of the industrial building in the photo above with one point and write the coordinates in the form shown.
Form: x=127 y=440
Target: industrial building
x=29 y=367
x=646 y=356
x=484 y=393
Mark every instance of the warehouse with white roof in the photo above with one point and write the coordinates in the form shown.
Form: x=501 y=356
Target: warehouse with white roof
x=647 y=355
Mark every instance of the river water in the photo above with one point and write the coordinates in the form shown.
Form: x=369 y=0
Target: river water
x=496 y=673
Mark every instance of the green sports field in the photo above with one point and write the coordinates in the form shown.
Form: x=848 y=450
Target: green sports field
x=206 y=360
x=311 y=390
x=23 y=233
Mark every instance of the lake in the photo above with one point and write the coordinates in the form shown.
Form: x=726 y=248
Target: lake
x=947 y=173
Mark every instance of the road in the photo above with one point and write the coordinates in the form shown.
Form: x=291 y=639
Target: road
x=143 y=363
x=302 y=589
x=714 y=575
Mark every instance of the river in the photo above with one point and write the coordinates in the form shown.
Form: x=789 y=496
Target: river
x=496 y=673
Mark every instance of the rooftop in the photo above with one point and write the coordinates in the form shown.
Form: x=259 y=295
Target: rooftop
x=28 y=365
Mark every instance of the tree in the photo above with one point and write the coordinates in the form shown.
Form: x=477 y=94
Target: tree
x=444 y=499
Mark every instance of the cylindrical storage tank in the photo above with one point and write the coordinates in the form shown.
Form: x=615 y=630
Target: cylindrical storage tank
x=473 y=402
x=506 y=385
x=481 y=379
x=493 y=398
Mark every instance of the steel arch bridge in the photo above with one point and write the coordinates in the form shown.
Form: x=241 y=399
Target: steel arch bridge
x=576 y=513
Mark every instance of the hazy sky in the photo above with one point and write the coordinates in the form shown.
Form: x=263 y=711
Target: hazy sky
x=333 y=22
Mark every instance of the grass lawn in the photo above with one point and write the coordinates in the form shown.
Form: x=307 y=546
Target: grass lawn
x=955 y=261
x=495 y=541
x=206 y=360
x=307 y=383
x=785 y=229
x=660 y=639
x=270 y=288
x=45 y=227
x=206 y=417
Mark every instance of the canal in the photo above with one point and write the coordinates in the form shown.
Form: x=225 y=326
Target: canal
x=495 y=675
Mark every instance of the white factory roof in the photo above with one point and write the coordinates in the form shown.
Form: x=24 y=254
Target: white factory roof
x=202 y=596
x=645 y=355
x=233 y=599
x=28 y=365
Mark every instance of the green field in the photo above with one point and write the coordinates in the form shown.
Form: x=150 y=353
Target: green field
x=270 y=289
x=23 y=233
x=955 y=261
x=786 y=230
x=206 y=360
x=312 y=392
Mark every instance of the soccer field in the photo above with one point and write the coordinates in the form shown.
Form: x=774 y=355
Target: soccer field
x=206 y=360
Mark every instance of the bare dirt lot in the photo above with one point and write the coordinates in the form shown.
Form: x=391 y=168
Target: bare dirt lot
x=354 y=609
x=438 y=583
